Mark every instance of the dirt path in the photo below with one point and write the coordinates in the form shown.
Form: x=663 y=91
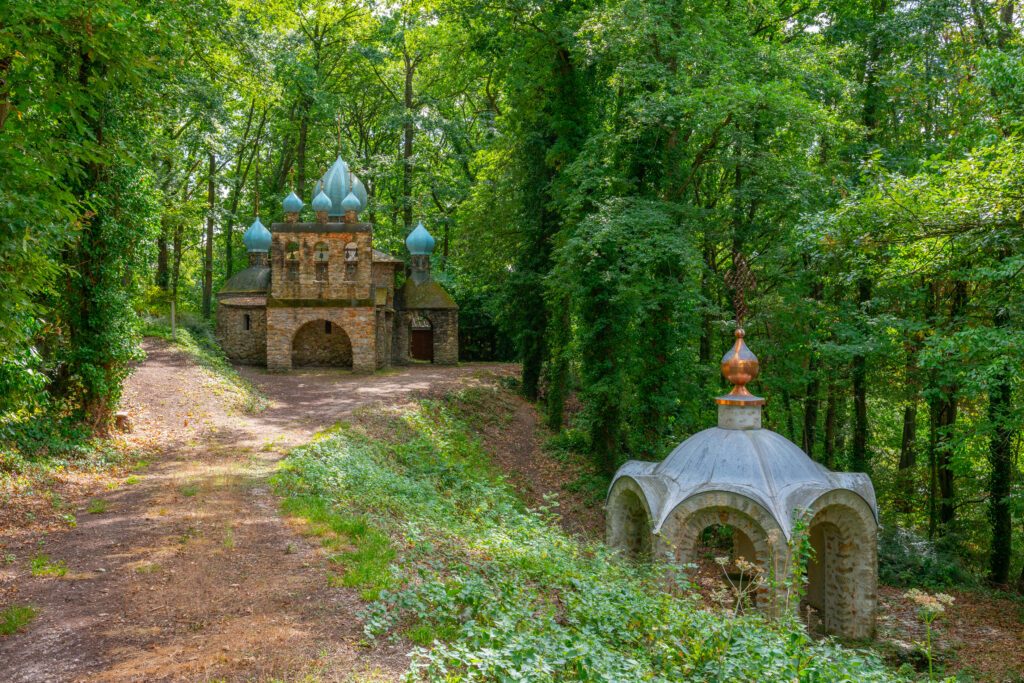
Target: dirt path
x=189 y=573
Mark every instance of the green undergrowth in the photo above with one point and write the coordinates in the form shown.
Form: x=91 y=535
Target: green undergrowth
x=15 y=618
x=195 y=338
x=490 y=591
x=34 y=444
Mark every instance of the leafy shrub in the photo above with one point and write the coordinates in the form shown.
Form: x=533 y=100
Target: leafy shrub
x=45 y=441
x=908 y=560
x=495 y=592
x=567 y=443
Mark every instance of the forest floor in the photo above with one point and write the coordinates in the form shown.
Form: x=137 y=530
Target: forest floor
x=183 y=569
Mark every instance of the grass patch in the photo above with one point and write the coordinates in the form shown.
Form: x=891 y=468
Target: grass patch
x=189 y=490
x=229 y=539
x=97 y=506
x=131 y=479
x=195 y=337
x=490 y=590
x=42 y=565
x=15 y=618
x=362 y=553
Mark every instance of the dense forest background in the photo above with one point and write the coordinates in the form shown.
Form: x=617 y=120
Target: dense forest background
x=591 y=169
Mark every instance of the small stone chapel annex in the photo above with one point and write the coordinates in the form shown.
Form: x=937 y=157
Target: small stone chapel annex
x=318 y=294
x=758 y=483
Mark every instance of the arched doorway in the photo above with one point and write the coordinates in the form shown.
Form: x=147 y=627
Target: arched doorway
x=629 y=524
x=321 y=343
x=742 y=528
x=842 y=575
x=727 y=569
x=421 y=338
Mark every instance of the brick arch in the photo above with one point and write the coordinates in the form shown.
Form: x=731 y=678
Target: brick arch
x=843 y=576
x=358 y=324
x=313 y=345
x=629 y=524
x=762 y=541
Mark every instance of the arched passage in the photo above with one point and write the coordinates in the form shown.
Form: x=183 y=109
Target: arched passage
x=754 y=533
x=843 y=575
x=321 y=343
x=629 y=521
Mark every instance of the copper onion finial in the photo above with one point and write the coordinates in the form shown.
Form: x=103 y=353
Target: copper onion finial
x=740 y=366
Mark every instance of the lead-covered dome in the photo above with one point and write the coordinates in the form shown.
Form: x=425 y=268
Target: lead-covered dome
x=338 y=182
x=758 y=464
x=257 y=238
x=420 y=242
x=292 y=203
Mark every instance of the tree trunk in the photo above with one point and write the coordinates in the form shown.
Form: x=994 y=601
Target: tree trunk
x=908 y=442
x=558 y=367
x=859 y=460
x=407 y=136
x=908 y=459
x=162 y=273
x=211 y=198
x=176 y=262
x=829 y=450
x=812 y=399
x=946 y=414
x=811 y=407
x=1001 y=459
x=300 y=152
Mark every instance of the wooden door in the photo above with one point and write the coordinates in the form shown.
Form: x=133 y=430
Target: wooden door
x=423 y=345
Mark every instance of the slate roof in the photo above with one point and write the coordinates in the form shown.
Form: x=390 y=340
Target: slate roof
x=252 y=280
x=426 y=295
x=759 y=464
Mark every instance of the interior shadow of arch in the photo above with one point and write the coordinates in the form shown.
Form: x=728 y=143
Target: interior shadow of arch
x=321 y=343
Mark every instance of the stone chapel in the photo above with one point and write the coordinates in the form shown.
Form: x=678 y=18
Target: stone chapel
x=316 y=293
x=758 y=483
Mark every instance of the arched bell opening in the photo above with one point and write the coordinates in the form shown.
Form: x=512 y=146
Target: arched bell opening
x=628 y=521
x=321 y=343
x=842 y=575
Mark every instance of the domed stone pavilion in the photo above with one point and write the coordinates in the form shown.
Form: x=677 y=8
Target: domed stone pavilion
x=757 y=482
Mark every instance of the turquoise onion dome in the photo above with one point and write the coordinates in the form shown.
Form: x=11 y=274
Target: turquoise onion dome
x=359 y=190
x=292 y=203
x=322 y=202
x=351 y=203
x=257 y=237
x=337 y=182
x=419 y=241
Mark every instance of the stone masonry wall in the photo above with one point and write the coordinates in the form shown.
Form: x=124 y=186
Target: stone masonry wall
x=358 y=323
x=307 y=286
x=400 y=338
x=446 y=336
x=384 y=278
x=385 y=319
x=239 y=344
x=445 y=326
